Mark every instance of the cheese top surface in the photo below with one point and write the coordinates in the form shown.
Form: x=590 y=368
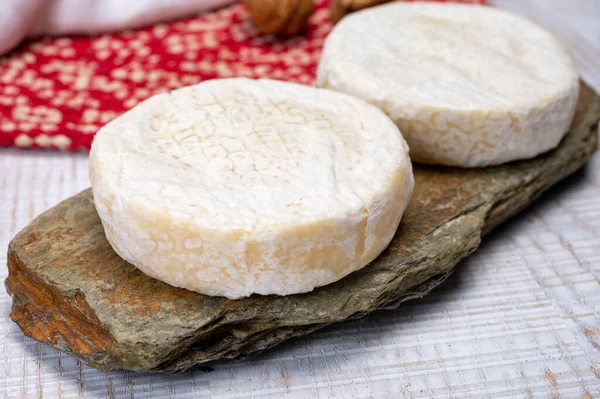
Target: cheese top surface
x=195 y=186
x=455 y=70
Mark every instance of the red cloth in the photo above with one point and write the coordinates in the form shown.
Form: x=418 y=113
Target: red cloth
x=57 y=92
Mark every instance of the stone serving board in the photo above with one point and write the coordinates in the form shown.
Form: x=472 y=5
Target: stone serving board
x=72 y=291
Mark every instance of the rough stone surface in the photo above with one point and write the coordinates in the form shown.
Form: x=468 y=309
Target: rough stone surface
x=73 y=292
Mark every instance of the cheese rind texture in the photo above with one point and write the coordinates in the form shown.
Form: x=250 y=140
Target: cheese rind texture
x=233 y=187
x=467 y=85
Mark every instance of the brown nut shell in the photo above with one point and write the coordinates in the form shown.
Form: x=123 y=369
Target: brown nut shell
x=280 y=17
x=338 y=9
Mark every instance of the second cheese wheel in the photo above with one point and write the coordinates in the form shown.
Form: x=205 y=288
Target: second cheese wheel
x=467 y=85
x=233 y=187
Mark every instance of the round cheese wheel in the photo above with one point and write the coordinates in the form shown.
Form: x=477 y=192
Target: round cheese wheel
x=467 y=85
x=236 y=186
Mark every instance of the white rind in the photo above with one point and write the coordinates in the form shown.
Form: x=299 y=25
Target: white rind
x=234 y=187
x=467 y=85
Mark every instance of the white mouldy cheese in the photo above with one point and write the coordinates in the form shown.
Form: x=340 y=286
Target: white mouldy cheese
x=467 y=85
x=235 y=186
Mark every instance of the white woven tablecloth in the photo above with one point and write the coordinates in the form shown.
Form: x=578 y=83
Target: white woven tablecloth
x=520 y=318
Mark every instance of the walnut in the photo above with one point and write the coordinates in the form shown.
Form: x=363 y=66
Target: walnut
x=340 y=8
x=281 y=17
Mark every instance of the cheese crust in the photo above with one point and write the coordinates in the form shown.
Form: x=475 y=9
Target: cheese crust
x=233 y=187
x=467 y=85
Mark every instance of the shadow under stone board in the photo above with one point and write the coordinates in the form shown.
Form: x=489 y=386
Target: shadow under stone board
x=72 y=291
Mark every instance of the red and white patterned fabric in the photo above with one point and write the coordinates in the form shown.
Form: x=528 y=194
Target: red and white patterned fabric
x=57 y=92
